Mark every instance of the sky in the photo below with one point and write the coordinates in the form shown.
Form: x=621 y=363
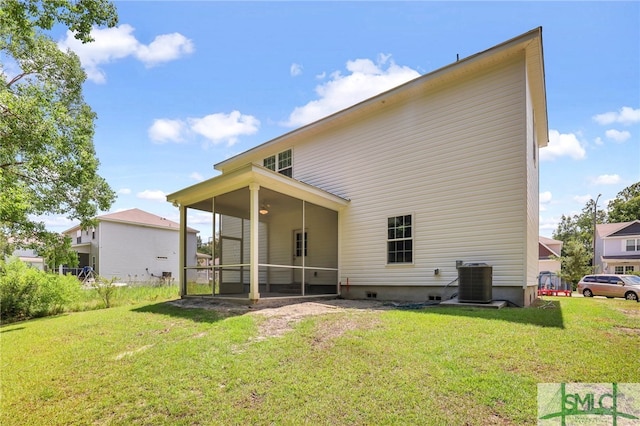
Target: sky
x=180 y=86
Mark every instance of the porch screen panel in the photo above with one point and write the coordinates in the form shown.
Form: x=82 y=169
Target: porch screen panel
x=262 y=250
x=321 y=262
x=231 y=255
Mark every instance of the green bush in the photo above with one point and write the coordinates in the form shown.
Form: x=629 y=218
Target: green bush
x=27 y=292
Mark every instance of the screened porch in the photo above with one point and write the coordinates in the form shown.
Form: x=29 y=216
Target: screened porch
x=274 y=237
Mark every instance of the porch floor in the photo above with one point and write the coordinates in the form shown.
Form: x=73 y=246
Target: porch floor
x=244 y=297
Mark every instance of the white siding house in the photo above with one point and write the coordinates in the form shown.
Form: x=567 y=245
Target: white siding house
x=30 y=257
x=384 y=199
x=618 y=247
x=132 y=246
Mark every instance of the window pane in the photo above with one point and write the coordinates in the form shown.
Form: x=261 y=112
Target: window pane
x=284 y=159
x=287 y=172
x=270 y=162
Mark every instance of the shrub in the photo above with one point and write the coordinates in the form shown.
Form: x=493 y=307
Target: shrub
x=105 y=289
x=27 y=292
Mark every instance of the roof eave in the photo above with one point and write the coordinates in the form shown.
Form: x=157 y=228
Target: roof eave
x=252 y=173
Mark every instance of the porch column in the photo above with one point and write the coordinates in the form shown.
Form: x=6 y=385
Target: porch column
x=211 y=272
x=254 y=205
x=182 y=253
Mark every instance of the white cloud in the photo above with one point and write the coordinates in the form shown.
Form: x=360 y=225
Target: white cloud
x=153 y=195
x=165 y=130
x=548 y=225
x=617 y=135
x=111 y=44
x=607 y=180
x=626 y=115
x=598 y=141
x=196 y=176
x=582 y=199
x=562 y=145
x=217 y=128
x=53 y=221
x=164 y=48
x=124 y=191
x=365 y=79
x=223 y=127
x=295 y=70
x=200 y=218
x=544 y=198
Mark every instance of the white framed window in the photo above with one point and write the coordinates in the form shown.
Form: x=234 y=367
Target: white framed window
x=632 y=245
x=281 y=163
x=623 y=269
x=300 y=243
x=400 y=239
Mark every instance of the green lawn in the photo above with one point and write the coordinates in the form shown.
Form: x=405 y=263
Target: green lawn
x=157 y=364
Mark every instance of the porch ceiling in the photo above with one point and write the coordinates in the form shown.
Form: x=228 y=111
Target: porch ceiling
x=197 y=196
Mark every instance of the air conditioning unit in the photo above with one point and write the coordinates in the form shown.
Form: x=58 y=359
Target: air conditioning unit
x=475 y=283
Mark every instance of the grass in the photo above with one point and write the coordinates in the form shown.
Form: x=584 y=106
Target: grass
x=152 y=363
x=129 y=295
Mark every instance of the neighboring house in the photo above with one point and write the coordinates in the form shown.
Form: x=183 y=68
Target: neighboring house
x=548 y=250
x=132 y=245
x=30 y=257
x=618 y=247
x=386 y=198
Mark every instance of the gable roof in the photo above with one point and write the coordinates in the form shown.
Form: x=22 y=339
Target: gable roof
x=530 y=43
x=547 y=241
x=138 y=217
x=544 y=251
x=620 y=229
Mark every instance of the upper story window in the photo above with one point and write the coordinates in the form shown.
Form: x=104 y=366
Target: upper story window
x=400 y=239
x=633 y=245
x=281 y=163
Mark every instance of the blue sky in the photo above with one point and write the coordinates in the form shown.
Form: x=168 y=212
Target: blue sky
x=180 y=86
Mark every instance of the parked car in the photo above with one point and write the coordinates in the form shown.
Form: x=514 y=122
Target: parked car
x=610 y=285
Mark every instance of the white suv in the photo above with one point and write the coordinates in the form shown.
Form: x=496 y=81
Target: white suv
x=610 y=285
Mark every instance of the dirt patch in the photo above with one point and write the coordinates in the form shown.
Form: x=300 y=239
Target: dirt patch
x=280 y=316
x=629 y=330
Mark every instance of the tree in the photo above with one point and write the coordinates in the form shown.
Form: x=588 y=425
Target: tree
x=575 y=262
x=626 y=206
x=48 y=163
x=579 y=227
x=58 y=252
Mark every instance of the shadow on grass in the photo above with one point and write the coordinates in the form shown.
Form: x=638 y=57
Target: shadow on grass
x=543 y=314
x=193 y=314
x=3 y=330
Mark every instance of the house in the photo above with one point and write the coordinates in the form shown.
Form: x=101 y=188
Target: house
x=30 y=257
x=132 y=246
x=549 y=250
x=387 y=198
x=617 y=249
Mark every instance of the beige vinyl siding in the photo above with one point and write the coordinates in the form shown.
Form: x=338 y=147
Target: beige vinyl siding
x=533 y=191
x=453 y=158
